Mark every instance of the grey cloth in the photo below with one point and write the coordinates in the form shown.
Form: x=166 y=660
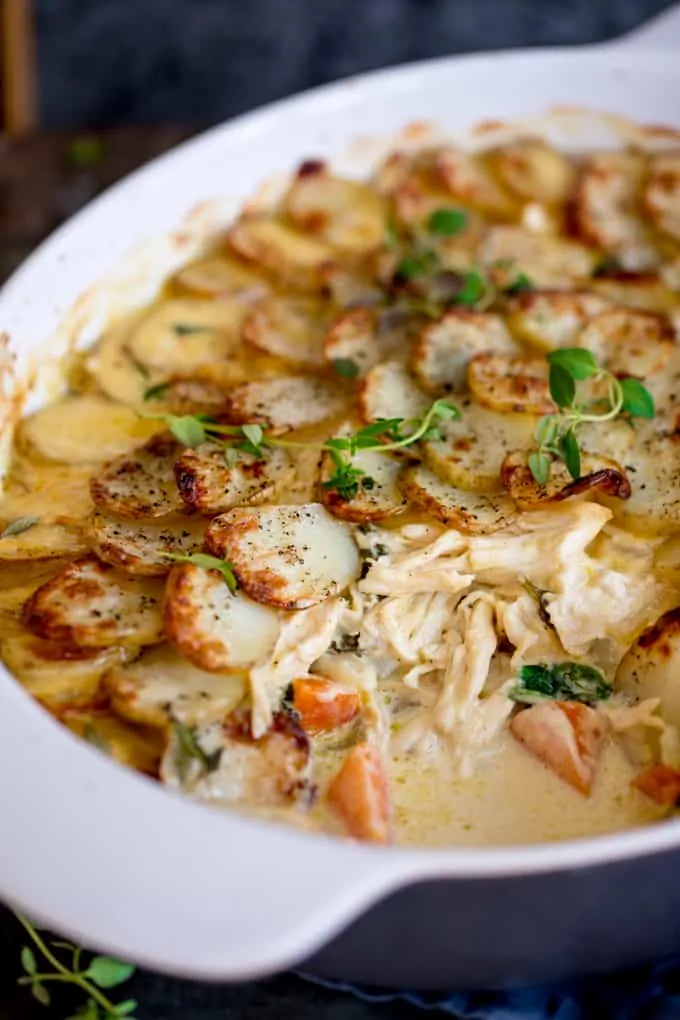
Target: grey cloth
x=200 y=61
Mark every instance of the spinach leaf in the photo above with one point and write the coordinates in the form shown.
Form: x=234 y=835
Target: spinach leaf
x=560 y=681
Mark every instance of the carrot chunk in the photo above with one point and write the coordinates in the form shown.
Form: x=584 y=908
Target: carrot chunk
x=359 y=793
x=566 y=736
x=322 y=704
x=660 y=783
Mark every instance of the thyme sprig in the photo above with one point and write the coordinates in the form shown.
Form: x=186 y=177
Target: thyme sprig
x=556 y=435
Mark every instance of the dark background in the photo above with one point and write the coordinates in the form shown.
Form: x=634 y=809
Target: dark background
x=117 y=63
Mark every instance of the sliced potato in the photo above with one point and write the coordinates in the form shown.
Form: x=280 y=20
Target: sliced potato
x=553 y=318
x=606 y=208
x=409 y=180
x=216 y=630
x=346 y=214
x=367 y=336
x=650 y=668
x=142 y=484
x=284 y=403
x=648 y=291
x=12 y=603
x=90 y=605
x=54 y=493
x=302 y=486
x=629 y=341
x=472 y=450
x=294 y=258
x=84 y=430
x=117 y=374
x=388 y=391
x=469 y=512
x=379 y=495
x=286 y=556
x=142 y=547
x=290 y=328
x=599 y=476
x=549 y=261
x=43 y=542
x=194 y=395
x=181 y=335
x=57 y=676
x=441 y=354
x=161 y=686
x=466 y=178
x=533 y=171
x=211 y=485
x=137 y=747
x=506 y=383
x=662 y=193
x=654 y=466
x=220 y=276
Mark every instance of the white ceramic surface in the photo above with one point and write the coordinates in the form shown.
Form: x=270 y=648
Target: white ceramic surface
x=107 y=856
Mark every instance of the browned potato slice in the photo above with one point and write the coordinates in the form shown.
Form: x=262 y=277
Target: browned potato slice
x=506 y=383
x=465 y=176
x=650 y=668
x=12 y=603
x=303 y=484
x=142 y=547
x=600 y=476
x=606 y=208
x=472 y=450
x=285 y=403
x=533 y=170
x=209 y=484
x=181 y=335
x=190 y=396
x=291 y=557
x=345 y=214
x=57 y=676
x=216 y=630
x=637 y=290
x=549 y=261
x=137 y=747
x=290 y=328
x=553 y=318
x=161 y=686
x=378 y=497
x=469 y=512
x=142 y=484
x=441 y=354
x=54 y=493
x=220 y=276
x=294 y=258
x=629 y=341
x=90 y=605
x=365 y=337
x=388 y=391
x=654 y=463
x=84 y=430
x=411 y=184
x=42 y=542
x=662 y=193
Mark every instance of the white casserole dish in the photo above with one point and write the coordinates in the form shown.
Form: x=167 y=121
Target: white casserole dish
x=122 y=865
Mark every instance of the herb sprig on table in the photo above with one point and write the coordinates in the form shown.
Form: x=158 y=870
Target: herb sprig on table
x=556 y=435
x=65 y=963
x=384 y=436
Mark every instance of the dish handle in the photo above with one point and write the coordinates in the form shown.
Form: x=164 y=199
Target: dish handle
x=661 y=32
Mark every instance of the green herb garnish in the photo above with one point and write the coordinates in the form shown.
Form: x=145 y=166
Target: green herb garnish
x=520 y=285
x=556 y=435
x=18 y=526
x=474 y=288
x=418 y=264
x=560 y=681
x=188 y=328
x=189 y=750
x=101 y=972
x=207 y=562
x=447 y=222
x=346 y=368
x=156 y=392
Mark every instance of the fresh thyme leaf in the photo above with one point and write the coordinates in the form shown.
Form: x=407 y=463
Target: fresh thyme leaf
x=346 y=368
x=473 y=289
x=445 y=410
x=188 y=750
x=546 y=430
x=561 y=681
x=447 y=222
x=539 y=465
x=28 y=960
x=207 y=562
x=156 y=392
x=106 y=972
x=188 y=429
x=254 y=436
x=39 y=992
x=418 y=264
x=522 y=284
x=637 y=400
x=571 y=454
x=578 y=362
x=188 y=328
x=562 y=386
x=126 y=1007
x=18 y=526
